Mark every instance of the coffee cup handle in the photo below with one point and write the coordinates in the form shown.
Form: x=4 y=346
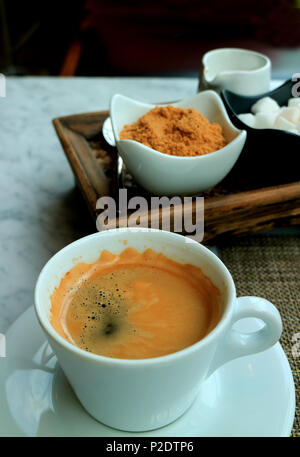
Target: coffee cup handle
x=236 y=344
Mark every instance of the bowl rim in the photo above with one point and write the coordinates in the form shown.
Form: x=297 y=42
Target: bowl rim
x=241 y=133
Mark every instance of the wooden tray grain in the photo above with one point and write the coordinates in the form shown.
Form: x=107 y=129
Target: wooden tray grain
x=237 y=206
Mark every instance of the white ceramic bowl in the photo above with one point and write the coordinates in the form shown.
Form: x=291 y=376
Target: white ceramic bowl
x=164 y=174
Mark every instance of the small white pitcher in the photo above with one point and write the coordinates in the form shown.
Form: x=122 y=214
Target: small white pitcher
x=238 y=70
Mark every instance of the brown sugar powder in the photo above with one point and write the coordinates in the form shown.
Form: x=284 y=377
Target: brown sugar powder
x=176 y=131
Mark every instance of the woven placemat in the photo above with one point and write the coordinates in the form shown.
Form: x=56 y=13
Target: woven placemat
x=269 y=266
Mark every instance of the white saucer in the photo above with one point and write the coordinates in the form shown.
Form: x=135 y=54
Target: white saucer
x=251 y=396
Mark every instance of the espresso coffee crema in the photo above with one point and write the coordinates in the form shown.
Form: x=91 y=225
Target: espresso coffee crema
x=134 y=305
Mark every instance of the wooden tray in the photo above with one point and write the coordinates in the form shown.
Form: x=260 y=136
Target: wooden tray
x=239 y=205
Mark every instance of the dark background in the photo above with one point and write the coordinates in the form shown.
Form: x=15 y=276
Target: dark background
x=126 y=38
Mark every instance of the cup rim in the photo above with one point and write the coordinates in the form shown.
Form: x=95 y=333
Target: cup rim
x=76 y=351
x=267 y=61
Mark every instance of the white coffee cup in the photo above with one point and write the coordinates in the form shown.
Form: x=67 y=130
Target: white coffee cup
x=139 y=395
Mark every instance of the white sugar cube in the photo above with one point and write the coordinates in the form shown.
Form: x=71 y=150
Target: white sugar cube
x=247 y=118
x=283 y=124
x=292 y=114
x=297 y=127
x=265 y=105
x=265 y=120
x=294 y=102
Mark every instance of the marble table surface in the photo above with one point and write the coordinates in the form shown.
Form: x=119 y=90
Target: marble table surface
x=40 y=210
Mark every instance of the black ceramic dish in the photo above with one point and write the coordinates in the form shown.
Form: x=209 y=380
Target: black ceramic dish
x=270 y=156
